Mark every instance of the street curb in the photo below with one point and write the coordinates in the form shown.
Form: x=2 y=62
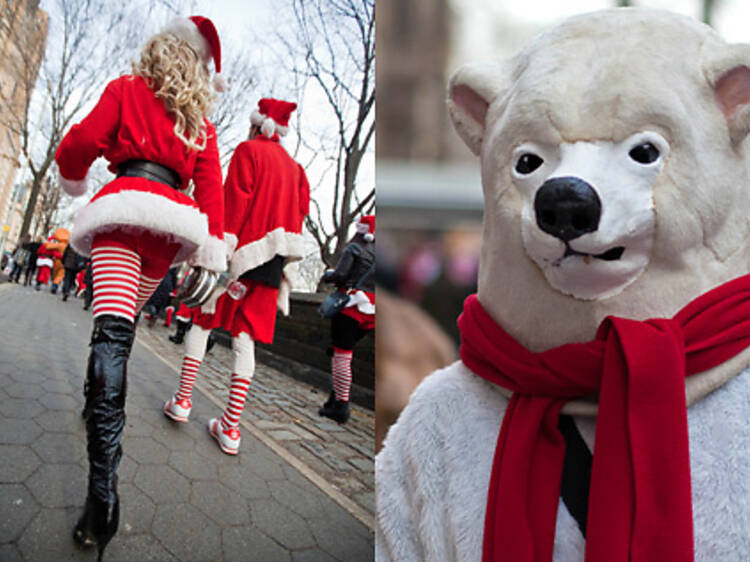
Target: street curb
x=326 y=487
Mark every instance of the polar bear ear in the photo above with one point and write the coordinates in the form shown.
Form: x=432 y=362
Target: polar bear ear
x=471 y=90
x=730 y=76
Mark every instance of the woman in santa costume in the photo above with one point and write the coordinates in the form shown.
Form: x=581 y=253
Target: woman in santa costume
x=267 y=198
x=152 y=128
x=354 y=273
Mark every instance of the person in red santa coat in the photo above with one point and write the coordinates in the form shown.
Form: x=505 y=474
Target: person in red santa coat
x=152 y=128
x=354 y=274
x=267 y=198
x=44 y=263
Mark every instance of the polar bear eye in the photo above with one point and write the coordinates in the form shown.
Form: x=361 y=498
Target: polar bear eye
x=644 y=153
x=527 y=163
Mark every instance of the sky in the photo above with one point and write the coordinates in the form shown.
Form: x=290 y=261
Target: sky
x=513 y=22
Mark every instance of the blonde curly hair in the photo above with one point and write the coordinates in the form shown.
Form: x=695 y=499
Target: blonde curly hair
x=174 y=71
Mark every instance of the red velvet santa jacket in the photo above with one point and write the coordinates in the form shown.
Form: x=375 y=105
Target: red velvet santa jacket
x=267 y=197
x=130 y=122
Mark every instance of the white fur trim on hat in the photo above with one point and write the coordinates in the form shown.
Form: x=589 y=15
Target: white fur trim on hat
x=210 y=255
x=74 y=188
x=220 y=83
x=139 y=210
x=267 y=125
x=185 y=29
x=369 y=237
x=276 y=242
x=362 y=227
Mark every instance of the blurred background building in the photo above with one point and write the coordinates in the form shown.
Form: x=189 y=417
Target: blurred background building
x=18 y=18
x=429 y=195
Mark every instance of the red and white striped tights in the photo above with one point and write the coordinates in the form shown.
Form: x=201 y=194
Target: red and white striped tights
x=127 y=270
x=341 y=370
x=243 y=349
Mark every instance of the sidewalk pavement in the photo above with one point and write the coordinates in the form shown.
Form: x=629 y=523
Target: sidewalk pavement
x=301 y=489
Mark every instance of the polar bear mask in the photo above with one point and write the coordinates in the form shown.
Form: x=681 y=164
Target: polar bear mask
x=614 y=171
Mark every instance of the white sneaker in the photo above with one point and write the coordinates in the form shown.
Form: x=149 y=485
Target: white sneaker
x=228 y=439
x=178 y=410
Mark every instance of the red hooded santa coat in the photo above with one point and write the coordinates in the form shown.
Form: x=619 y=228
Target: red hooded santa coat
x=130 y=122
x=267 y=197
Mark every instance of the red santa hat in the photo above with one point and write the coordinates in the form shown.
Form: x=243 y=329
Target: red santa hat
x=200 y=33
x=366 y=226
x=272 y=116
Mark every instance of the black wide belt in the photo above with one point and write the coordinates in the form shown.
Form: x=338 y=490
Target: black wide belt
x=149 y=170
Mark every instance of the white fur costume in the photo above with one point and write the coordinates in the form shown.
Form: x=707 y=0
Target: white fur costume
x=580 y=98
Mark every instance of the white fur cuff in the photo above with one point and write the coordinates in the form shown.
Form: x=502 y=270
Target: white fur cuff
x=74 y=188
x=210 y=255
x=231 y=243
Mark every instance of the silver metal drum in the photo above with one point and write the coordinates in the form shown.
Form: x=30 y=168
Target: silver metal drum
x=200 y=285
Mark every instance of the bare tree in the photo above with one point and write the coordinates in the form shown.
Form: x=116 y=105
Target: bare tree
x=48 y=205
x=86 y=46
x=331 y=51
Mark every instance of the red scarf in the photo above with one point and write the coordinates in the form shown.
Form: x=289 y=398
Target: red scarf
x=639 y=500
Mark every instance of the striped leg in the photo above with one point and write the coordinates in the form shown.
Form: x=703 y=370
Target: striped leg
x=116 y=272
x=146 y=288
x=341 y=370
x=236 y=404
x=190 y=366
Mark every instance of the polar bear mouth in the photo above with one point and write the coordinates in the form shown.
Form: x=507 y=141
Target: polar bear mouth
x=613 y=254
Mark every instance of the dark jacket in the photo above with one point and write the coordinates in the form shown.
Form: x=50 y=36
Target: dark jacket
x=73 y=260
x=354 y=262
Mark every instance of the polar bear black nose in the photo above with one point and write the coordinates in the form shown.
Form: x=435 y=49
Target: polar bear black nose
x=567 y=208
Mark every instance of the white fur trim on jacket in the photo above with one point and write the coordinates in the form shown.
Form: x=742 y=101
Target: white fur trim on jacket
x=359 y=299
x=291 y=274
x=212 y=254
x=277 y=242
x=140 y=210
x=231 y=242
x=185 y=29
x=74 y=188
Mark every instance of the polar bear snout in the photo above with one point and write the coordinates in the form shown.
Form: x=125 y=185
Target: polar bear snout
x=567 y=208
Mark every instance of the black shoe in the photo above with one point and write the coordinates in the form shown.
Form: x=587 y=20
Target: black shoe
x=337 y=410
x=98 y=524
x=179 y=336
x=65 y=297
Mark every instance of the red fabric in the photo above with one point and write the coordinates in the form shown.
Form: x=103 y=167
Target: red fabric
x=365 y=321
x=42 y=277
x=265 y=190
x=278 y=110
x=253 y=314
x=130 y=122
x=208 y=30
x=639 y=503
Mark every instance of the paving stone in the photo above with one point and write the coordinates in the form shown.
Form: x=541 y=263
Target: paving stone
x=343 y=545
x=185 y=463
x=25 y=408
x=60 y=447
x=311 y=555
x=140 y=548
x=176 y=436
x=366 y=499
x=244 y=481
x=48 y=537
x=304 y=502
x=221 y=504
x=283 y=435
x=17 y=462
x=57 y=421
x=146 y=450
x=8 y=553
x=248 y=543
x=56 y=401
x=17 y=507
x=59 y=485
x=59 y=386
x=162 y=484
x=364 y=465
x=186 y=532
x=18 y=432
x=24 y=390
x=136 y=426
x=281 y=524
x=136 y=510
x=22 y=374
x=127 y=469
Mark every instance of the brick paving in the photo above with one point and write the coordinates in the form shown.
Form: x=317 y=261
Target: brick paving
x=300 y=489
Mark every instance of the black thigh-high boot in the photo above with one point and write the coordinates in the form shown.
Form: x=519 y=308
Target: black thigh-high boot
x=179 y=336
x=111 y=342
